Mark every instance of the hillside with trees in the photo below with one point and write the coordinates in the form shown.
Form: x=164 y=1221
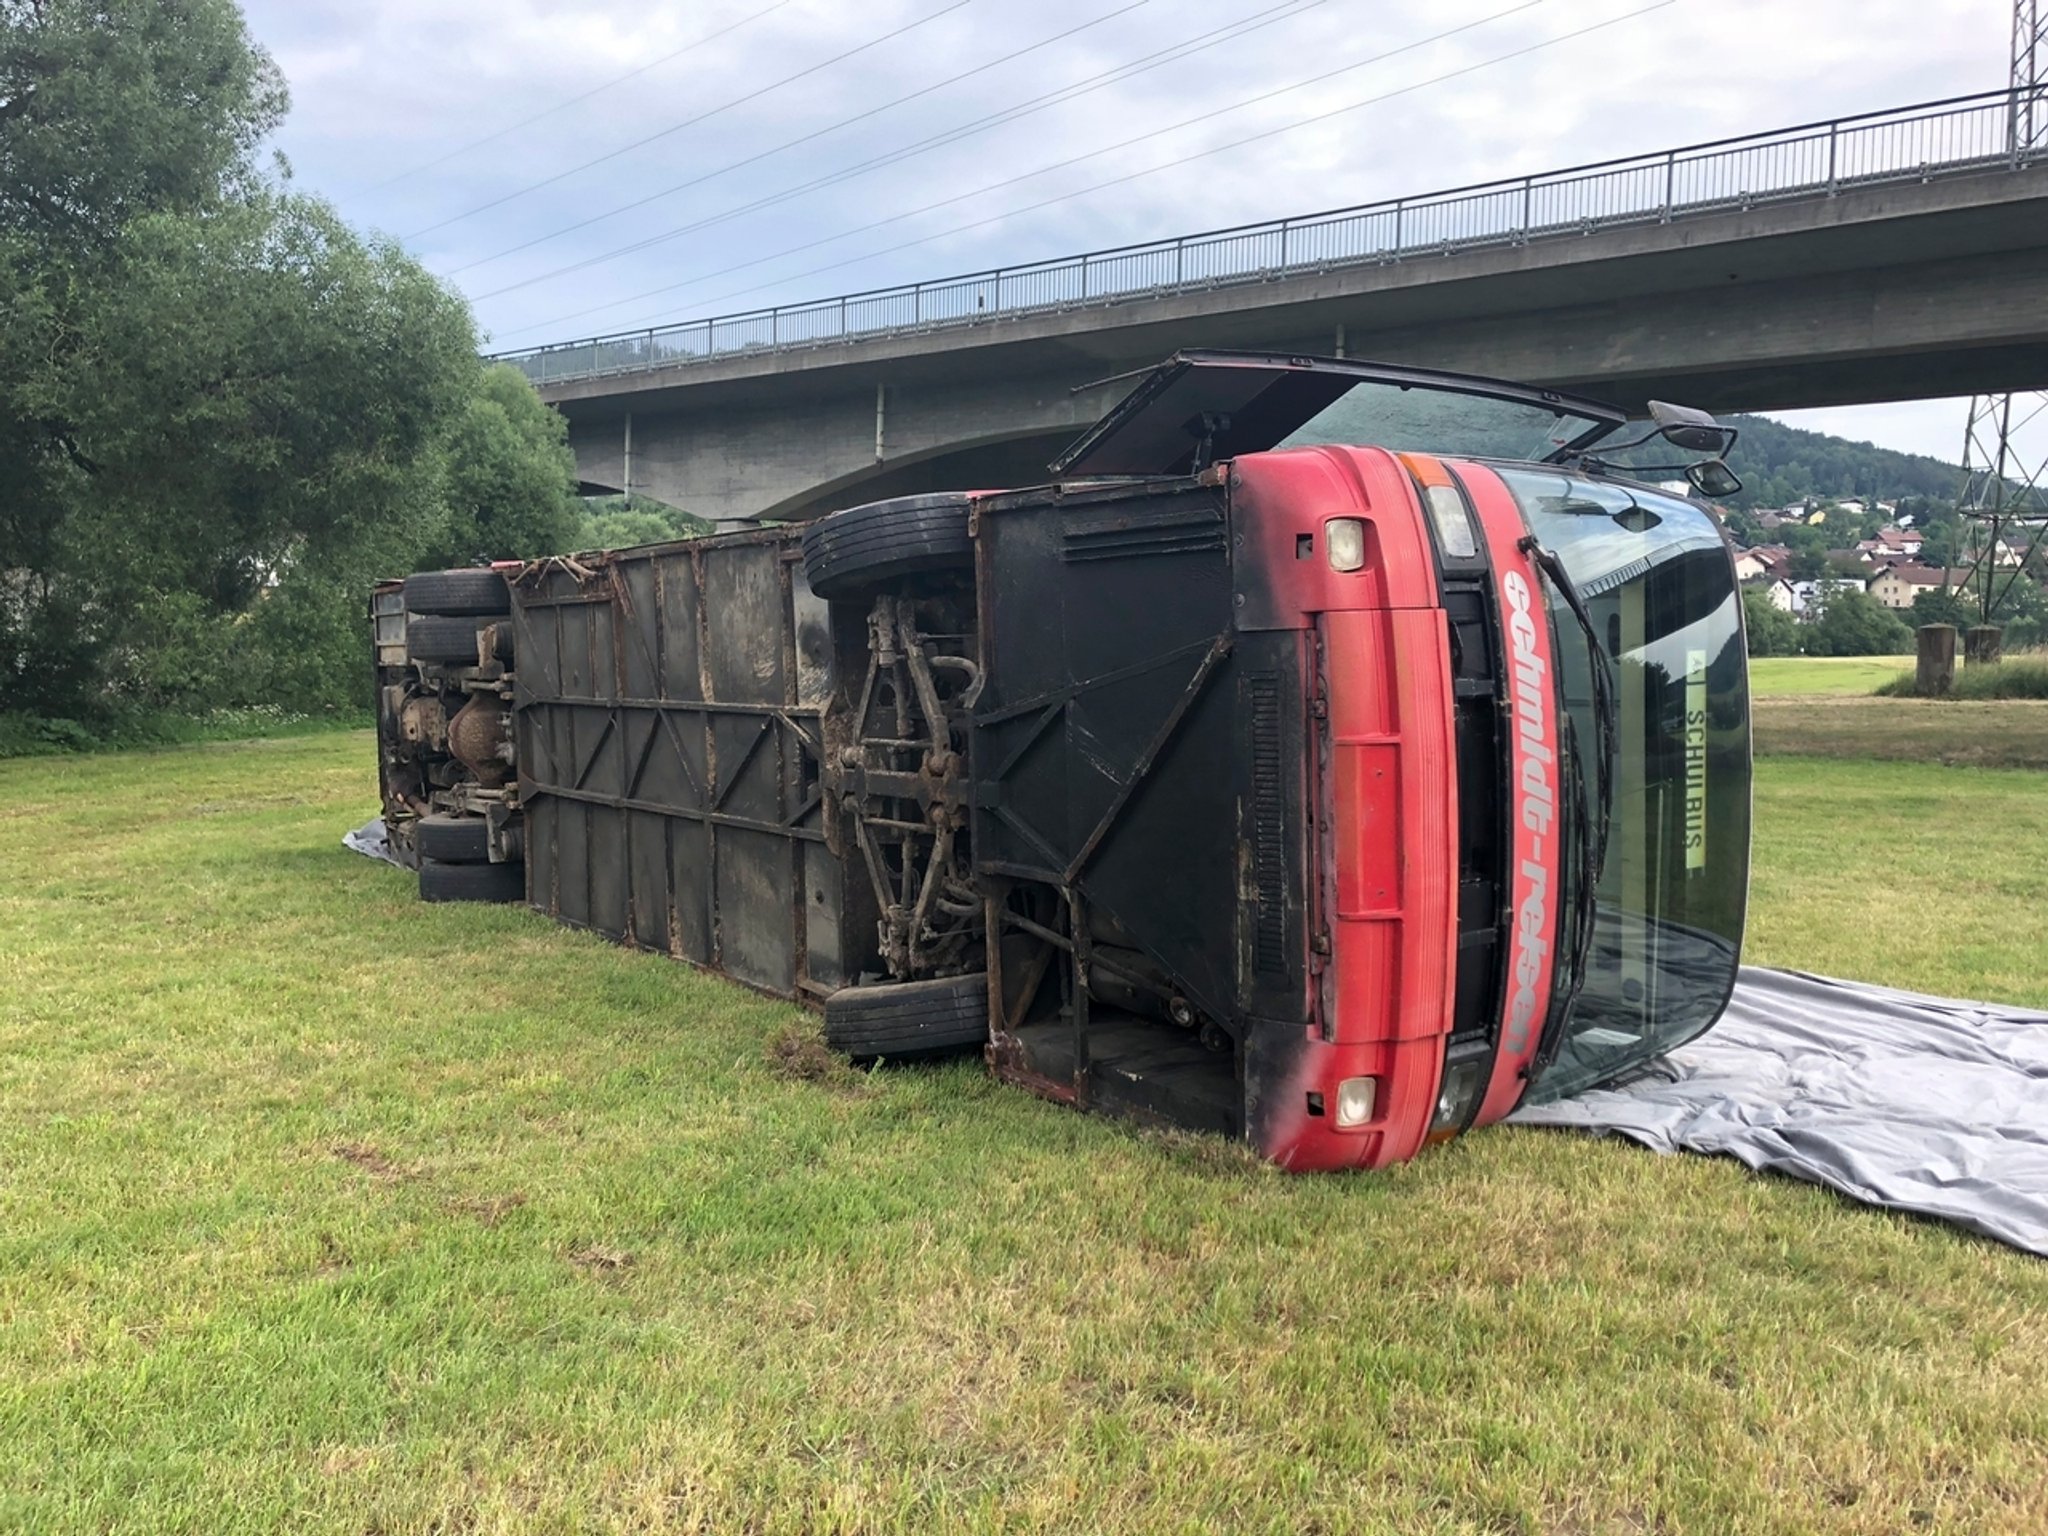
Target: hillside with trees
x=1779 y=465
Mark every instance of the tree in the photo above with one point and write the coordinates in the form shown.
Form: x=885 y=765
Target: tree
x=1942 y=608
x=1746 y=530
x=1853 y=623
x=1779 y=464
x=509 y=477
x=108 y=115
x=1772 y=631
x=619 y=522
x=2023 y=613
x=1807 y=564
x=113 y=110
x=222 y=412
x=1941 y=540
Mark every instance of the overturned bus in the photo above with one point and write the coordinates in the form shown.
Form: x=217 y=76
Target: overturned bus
x=1332 y=756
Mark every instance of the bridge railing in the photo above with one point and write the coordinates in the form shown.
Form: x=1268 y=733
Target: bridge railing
x=1959 y=136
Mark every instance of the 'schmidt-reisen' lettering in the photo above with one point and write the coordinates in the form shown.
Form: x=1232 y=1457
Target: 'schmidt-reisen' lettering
x=1535 y=808
x=1695 y=759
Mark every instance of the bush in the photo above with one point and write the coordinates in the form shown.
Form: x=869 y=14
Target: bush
x=614 y=522
x=1854 y=623
x=35 y=736
x=1771 y=630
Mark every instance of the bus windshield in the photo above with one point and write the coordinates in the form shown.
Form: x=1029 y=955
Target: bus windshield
x=1654 y=574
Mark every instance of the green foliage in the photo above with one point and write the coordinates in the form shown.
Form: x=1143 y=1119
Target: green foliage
x=1942 y=608
x=1941 y=540
x=1745 y=529
x=1779 y=465
x=114 y=110
x=2017 y=677
x=222 y=412
x=509 y=481
x=1808 y=565
x=1771 y=630
x=1853 y=623
x=45 y=736
x=615 y=522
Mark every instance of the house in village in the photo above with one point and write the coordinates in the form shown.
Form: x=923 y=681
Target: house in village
x=1897 y=585
x=1766 y=562
x=1890 y=544
x=1802 y=599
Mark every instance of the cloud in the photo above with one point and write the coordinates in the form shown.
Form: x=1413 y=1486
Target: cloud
x=382 y=87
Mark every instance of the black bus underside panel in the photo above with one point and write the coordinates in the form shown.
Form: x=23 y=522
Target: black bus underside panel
x=1138 y=790
x=688 y=717
x=668 y=717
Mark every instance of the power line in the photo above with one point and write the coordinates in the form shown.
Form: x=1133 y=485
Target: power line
x=1098 y=186
x=753 y=95
x=1110 y=149
x=1174 y=53
x=817 y=133
x=561 y=106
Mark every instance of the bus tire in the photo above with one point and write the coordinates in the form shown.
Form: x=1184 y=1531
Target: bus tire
x=851 y=552
x=463 y=594
x=906 y=1020
x=436 y=637
x=454 y=839
x=471 y=882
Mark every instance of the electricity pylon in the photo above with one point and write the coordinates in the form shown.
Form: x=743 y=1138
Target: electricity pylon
x=2005 y=442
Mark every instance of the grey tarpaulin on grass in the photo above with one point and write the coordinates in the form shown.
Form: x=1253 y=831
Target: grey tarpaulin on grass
x=370 y=841
x=1922 y=1104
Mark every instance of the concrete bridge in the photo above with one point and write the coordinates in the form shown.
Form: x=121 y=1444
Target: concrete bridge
x=1895 y=256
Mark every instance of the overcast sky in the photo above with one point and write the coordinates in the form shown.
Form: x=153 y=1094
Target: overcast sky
x=390 y=99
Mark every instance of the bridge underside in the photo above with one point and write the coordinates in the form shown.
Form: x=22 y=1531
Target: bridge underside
x=1892 y=293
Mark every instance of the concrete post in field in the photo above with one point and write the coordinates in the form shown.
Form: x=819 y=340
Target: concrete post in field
x=1937 y=671
x=1984 y=644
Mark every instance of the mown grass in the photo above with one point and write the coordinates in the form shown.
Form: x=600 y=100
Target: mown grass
x=325 y=1211
x=1958 y=733
x=1776 y=677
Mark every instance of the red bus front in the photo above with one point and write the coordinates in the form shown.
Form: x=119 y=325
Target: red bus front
x=1522 y=765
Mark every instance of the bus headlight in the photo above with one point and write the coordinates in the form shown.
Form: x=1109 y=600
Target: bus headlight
x=1344 y=537
x=1453 y=525
x=1356 y=1098
x=1461 y=1084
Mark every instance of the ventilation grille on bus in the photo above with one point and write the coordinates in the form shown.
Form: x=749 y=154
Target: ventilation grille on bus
x=1269 y=827
x=1126 y=534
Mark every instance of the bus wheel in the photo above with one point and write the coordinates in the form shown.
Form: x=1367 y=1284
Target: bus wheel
x=454 y=839
x=471 y=882
x=435 y=637
x=854 y=551
x=460 y=593
x=904 y=1020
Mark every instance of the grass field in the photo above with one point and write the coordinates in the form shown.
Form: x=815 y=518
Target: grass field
x=321 y=1210
x=2011 y=733
x=1823 y=706
x=1777 y=677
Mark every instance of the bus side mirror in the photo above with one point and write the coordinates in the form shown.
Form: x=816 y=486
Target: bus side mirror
x=1694 y=431
x=1712 y=479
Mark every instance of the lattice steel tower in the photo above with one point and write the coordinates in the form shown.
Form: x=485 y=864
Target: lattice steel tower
x=2004 y=477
